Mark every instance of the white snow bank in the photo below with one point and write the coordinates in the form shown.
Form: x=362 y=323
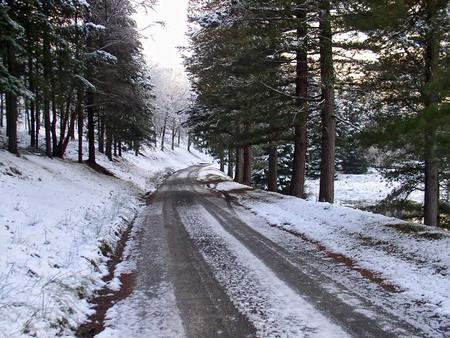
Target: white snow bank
x=412 y=257
x=148 y=170
x=361 y=190
x=54 y=215
x=216 y=179
x=210 y=173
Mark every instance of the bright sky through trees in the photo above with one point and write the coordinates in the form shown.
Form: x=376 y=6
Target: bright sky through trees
x=160 y=42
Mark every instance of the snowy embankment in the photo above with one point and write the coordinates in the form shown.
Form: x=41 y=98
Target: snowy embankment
x=55 y=217
x=412 y=258
x=359 y=190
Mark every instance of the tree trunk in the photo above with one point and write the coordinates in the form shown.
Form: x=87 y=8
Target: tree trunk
x=247 y=176
x=66 y=118
x=1 y=109
x=163 y=133
x=189 y=143
x=431 y=55
x=173 y=134
x=108 y=147
x=27 y=116
x=65 y=141
x=239 y=171
x=115 y=148
x=119 y=145
x=101 y=135
x=53 y=127
x=32 y=104
x=47 y=124
x=179 y=137
x=222 y=161
x=91 y=127
x=327 y=165
x=272 y=176
x=230 y=163
x=297 y=186
x=38 y=121
x=11 y=101
x=80 y=128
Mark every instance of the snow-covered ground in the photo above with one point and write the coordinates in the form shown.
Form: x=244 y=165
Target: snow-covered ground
x=54 y=216
x=360 y=190
x=413 y=258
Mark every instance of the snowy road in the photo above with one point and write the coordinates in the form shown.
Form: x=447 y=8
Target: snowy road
x=203 y=271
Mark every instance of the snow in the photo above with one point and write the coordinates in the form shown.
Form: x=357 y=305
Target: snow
x=150 y=310
x=162 y=320
x=414 y=258
x=54 y=216
x=271 y=305
x=145 y=313
x=360 y=190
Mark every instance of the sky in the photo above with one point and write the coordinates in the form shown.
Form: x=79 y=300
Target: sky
x=160 y=42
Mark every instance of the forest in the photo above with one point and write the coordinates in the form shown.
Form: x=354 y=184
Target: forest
x=224 y=168
x=74 y=66
x=293 y=89
x=281 y=90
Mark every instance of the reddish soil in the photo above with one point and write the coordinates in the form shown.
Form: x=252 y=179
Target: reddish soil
x=106 y=297
x=348 y=262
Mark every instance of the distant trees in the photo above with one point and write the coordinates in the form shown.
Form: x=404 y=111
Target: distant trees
x=71 y=62
x=172 y=98
x=325 y=77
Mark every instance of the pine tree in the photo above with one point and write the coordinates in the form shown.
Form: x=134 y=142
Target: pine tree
x=411 y=76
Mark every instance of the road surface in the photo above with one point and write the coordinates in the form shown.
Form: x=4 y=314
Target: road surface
x=203 y=271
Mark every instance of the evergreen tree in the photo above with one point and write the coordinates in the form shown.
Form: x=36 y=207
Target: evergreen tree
x=411 y=78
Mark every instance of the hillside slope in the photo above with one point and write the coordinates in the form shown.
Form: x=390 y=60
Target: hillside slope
x=55 y=215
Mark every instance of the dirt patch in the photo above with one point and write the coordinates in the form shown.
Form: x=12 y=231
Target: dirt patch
x=418 y=230
x=100 y=169
x=106 y=297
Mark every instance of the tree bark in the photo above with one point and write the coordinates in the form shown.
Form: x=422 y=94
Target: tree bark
x=230 y=163
x=32 y=104
x=27 y=116
x=38 y=121
x=80 y=128
x=108 y=145
x=46 y=97
x=66 y=138
x=189 y=143
x=91 y=127
x=327 y=164
x=247 y=175
x=173 y=134
x=119 y=145
x=222 y=161
x=431 y=55
x=53 y=126
x=297 y=186
x=11 y=101
x=101 y=135
x=272 y=176
x=1 y=109
x=239 y=171
x=163 y=133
